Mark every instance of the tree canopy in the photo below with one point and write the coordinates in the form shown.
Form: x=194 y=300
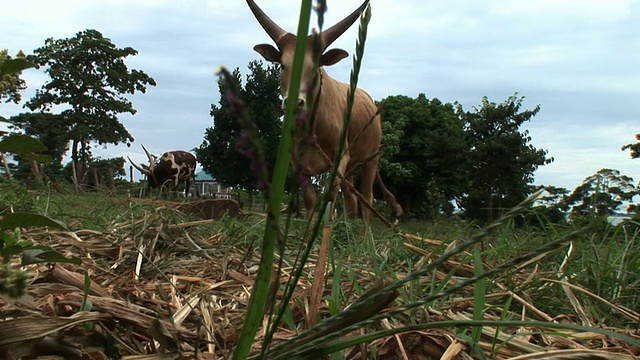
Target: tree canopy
x=601 y=194
x=424 y=153
x=435 y=154
x=89 y=81
x=10 y=82
x=217 y=153
x=502 y=160
x=634 y=148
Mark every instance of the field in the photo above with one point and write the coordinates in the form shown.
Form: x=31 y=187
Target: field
x=97 y=275
x=154 y=280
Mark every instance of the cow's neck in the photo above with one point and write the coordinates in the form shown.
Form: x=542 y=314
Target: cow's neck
x=330 y=99
x=316 y=101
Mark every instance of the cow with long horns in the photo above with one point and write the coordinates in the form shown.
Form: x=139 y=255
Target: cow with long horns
x=329 y=98
x=172 y=168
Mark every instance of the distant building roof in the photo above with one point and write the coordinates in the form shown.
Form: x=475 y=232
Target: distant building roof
x=203 y=176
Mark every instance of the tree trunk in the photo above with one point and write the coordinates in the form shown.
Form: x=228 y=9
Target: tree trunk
x=35 y=169
x=74 y=164
x=112 y=184
x=82 y=171
x=6 y=166
x=96 y=182
x=74 y=175
x=490 y=205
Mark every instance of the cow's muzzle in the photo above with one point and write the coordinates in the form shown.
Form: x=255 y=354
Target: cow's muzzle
x=302 y=102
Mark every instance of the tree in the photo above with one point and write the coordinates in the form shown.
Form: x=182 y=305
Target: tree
x=553 y=196
x=19 y=145
x=501 y=159
x=102 y=170
x=90 y=78
x=549 y=208
x=217 y=153
x=10 y=82
x=38 y=125
x=601 y=194
x=424 y=152
x=55 y=139
x=633 y=148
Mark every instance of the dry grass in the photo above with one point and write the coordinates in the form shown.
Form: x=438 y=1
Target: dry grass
x=158 y=286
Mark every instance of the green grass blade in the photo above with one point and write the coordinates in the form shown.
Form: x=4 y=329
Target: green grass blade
x=479 y=297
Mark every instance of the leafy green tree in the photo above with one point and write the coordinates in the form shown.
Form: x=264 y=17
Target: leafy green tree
x=19 y=145
x=90 y=79
x=635 y=154
x=633 y=148
x=424 y=152
x=116 y=165
x=218 y=152
x=106 y=171
x=501 y=159
x=553 y=196
x=55 y=139
x=10 y=82
x=601 y=194
x=550 y=208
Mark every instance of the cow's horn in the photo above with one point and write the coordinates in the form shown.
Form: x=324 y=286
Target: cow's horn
x=331 y=34
x=273 y=29
x=139 y=168
x=152 y=162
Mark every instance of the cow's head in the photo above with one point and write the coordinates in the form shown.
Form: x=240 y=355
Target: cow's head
x=286 y=44
x=148 y=171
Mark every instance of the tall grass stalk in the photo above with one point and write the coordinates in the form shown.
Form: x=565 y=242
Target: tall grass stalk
x=321 y=208
x=331 y=181
x=479 y=297
x=260 y=292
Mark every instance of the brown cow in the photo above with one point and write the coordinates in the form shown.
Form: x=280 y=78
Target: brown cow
x=172 y=168
x=329 y=98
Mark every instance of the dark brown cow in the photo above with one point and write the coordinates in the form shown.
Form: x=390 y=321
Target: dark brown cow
x=328 y=97
x=172 y=168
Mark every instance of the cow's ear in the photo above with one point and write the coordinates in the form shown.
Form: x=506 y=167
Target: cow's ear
x=332 y=56
x=268 y=52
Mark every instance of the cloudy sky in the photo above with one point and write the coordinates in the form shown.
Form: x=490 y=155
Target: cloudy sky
x=578 y=59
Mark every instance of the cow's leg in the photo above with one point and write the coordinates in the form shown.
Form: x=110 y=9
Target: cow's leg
x=390 y=199
x=368 y=176
x=308 y=195
x=350 y=199
x=346 y=192
x=312 y=162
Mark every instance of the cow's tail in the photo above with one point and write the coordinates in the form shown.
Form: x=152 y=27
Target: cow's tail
x=390 y=199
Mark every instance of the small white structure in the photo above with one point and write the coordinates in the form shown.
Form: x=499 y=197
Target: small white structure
x=209 y=187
